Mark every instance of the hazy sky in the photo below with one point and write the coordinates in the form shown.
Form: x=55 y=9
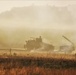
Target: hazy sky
x=65 y=18
x=8 y=4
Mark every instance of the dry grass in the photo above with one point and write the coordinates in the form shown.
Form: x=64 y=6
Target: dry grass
x=18 y=66
x=37 y=71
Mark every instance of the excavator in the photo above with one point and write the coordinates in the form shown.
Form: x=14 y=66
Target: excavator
x=67 y=48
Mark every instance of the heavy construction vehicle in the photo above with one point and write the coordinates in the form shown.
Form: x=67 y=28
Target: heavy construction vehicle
x=38 y=44
x=67 y=48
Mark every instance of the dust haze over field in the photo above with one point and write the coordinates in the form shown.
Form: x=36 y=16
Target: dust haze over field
x=51 y=22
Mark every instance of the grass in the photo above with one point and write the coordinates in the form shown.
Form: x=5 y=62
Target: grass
x=37 y=66
x=36 y=71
